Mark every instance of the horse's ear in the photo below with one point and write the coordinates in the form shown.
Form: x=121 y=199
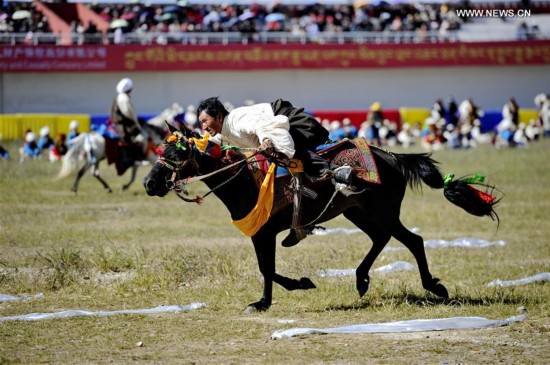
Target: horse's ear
x=187 y=132
x=171 y=128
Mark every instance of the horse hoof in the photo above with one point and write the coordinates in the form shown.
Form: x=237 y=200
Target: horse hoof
x=363 y=286
x=251 y=309
x=306 y=283
x=256 y=307
x=438 y=289
x=108 y=190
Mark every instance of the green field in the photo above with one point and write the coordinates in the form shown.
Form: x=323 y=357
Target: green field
x=98 y=251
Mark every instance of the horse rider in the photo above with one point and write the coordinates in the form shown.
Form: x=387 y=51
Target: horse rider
x=126 y=125
x=281 y=131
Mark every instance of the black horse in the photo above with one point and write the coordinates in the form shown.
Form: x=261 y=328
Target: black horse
x=237 y=189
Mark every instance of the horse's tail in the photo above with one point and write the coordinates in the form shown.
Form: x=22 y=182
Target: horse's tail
x=417 y=168
x=70 y=160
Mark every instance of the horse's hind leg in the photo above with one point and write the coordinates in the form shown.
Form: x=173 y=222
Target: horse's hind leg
x=79 y=175
x=293 y=284
x=379 y=240
x=100 y=179
x=415 y=244
x=132 y=177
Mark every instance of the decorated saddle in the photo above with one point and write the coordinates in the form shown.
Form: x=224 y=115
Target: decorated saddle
x=355 y=153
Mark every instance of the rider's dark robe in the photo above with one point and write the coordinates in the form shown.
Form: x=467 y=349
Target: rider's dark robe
x=307 y=134
x=128 y=151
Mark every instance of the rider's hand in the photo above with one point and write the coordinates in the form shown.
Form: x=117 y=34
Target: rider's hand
x=267 y=147
x=281 y=158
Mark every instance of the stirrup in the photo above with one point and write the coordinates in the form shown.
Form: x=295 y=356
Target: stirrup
x=341 y=174
x=344 y=175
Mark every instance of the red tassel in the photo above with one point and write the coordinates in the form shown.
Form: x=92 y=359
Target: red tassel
x=488 y=198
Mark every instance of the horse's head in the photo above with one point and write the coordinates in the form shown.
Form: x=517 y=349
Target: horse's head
x=176 y=162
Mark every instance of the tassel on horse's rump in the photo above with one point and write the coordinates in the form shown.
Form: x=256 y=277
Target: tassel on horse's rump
x=461 y=193
x=421 y=167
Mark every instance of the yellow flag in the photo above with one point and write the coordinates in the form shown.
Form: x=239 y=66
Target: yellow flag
x=201 y=143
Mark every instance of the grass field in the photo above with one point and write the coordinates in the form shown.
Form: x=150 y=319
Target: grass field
x=98 y=251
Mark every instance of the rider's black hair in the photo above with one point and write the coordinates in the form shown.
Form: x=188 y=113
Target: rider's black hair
x=213 y=107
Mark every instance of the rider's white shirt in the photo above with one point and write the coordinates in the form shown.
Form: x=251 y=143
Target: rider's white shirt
x=248 y=126
x=125 y=106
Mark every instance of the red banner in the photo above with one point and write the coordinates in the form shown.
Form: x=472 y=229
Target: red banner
x=50 y=58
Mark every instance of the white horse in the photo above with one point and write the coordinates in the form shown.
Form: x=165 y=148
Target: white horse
x=91 y=147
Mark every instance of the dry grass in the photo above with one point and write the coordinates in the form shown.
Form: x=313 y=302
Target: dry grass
x=99 y=251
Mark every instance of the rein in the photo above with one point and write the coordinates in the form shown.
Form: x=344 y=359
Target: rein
x=178 y=186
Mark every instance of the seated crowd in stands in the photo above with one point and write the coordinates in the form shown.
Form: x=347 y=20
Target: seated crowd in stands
x=225 y=17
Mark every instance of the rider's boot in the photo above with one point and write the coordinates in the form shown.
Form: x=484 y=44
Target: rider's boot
x=297 y=233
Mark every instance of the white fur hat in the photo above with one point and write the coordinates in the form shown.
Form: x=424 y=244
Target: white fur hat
x=73 y=124
x=124 y=85
x=334 y=125
x=30 y=137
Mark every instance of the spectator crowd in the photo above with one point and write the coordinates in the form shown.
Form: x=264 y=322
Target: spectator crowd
x=250 y=19
x=450 y=125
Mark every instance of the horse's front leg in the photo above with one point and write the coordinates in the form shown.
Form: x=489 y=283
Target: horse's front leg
x=264 y=245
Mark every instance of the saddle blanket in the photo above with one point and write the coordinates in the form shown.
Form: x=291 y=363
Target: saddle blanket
x=358 y=156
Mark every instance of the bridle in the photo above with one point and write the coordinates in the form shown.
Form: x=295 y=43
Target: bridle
x=178 y=185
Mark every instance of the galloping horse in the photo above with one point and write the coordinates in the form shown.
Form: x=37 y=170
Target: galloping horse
x=93 y=146
x=181 y=162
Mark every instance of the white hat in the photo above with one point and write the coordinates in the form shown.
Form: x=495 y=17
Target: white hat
x=73 y=124
x=44 y=131
x=124 y=85
x=334 y=125
x=190 y=118
x=30 y=137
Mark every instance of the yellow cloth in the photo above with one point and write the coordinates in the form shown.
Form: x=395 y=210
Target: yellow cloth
x=201 y=143
x=299 y=166
x=257 y=217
